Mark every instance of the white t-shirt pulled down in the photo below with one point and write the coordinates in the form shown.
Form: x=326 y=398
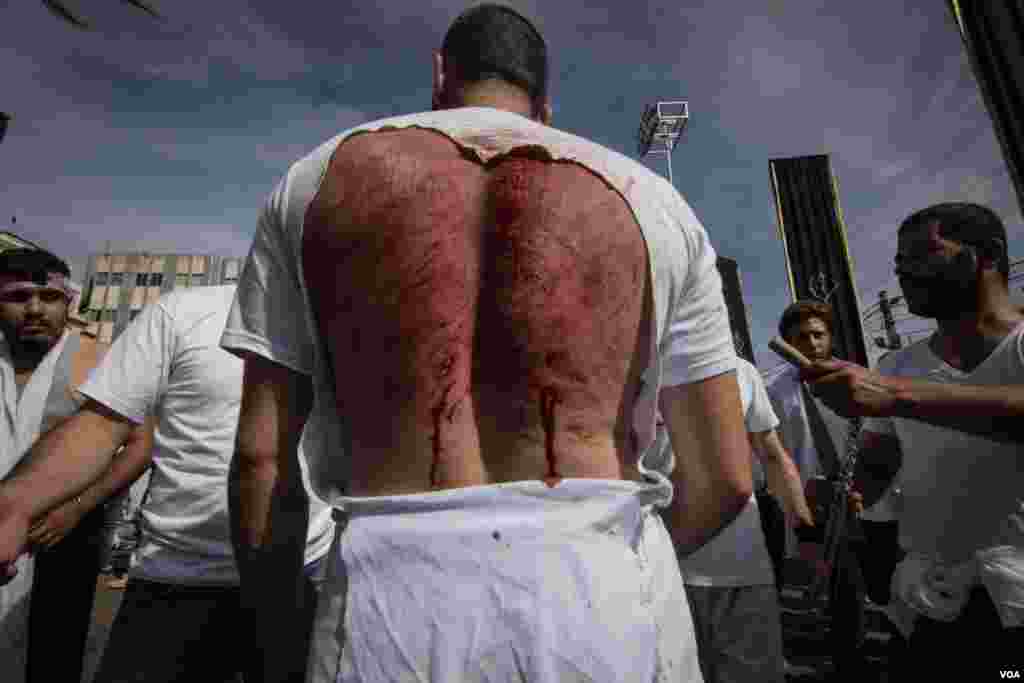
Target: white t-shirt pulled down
x=273 y=316
x=169 y=363
x=737 y=556
x=962 y=495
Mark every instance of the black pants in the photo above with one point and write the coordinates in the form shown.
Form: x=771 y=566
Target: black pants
x=846 y=607
x=773 y=524
x=166 y=633
x=879 y=555
x=60 y=613
x=172 y=633
x=974 y=641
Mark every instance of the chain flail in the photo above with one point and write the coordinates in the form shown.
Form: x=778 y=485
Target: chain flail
x=839 y=506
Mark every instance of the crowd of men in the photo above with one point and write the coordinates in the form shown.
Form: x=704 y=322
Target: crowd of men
x=473 y=413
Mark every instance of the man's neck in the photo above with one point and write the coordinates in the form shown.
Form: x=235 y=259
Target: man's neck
x=965 y=341
x=496 y=95
x=25 y=361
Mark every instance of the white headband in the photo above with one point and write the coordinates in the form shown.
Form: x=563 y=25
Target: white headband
x=54 y=281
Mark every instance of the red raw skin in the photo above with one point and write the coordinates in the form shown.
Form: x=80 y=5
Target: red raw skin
x=485 y=322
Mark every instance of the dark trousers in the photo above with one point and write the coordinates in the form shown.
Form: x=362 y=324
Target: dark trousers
x=846 y=608
x=975 y=641
x=166 y=632
x=172 y=633
x=879 y=555
x=739 y=633
x=60 y=613
x=773 y=524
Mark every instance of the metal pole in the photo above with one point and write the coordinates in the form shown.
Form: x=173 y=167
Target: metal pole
x=885 y=303
x=668 y=153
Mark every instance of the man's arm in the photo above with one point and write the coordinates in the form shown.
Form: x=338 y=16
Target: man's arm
x=65 y=461
x=783 y=477
x=124 y=469
x=270 y=513
x=992 y=411
x=712 y=475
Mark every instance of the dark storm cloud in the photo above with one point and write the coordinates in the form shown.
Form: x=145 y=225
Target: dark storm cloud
x=168 y=133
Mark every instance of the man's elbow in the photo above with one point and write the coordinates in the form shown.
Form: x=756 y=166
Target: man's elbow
x=736 y=492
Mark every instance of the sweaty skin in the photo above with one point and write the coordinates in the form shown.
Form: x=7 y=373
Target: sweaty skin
x=486 y=323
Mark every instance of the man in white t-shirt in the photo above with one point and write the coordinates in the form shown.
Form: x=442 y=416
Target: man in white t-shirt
x=457 y=307
x=947 y=414
x=818 y=438
x=180 y=617
x=730 y=580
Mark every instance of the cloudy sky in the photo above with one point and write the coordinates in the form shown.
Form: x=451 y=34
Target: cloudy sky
x=167 y=135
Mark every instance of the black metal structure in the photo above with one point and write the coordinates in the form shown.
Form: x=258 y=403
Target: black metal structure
x=993 y=34
x=817 y=257
x=732 y=288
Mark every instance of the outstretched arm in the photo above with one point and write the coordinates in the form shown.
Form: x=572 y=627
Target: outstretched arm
x=992 y=411
x=783 y=477
x=712 y=475
x=125 y=468
x=62 y=463
x=270 y=514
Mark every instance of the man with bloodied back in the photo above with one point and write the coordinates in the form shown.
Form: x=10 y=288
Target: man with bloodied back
x=455 y=311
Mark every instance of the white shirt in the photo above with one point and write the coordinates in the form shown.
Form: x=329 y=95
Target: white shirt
x=963 y=495
x=21 y=419
x=168 y=362
x=737 y=556
x=273 y=316
x=795 y=429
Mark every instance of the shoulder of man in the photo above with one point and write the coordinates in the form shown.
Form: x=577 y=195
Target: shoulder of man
x=185 y=303
x=909 y=357
x=782 y=383
x=89 y=354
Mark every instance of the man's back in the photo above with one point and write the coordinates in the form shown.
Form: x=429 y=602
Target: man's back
x=466 y=297
x=485 y=323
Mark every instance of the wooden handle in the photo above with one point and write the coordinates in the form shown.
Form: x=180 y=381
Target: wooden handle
x=788 y=353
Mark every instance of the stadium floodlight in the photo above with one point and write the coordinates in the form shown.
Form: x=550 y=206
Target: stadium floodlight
x=661 y=127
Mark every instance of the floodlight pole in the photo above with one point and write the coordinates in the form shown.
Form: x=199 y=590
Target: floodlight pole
x=668 y=153
x=663 y=122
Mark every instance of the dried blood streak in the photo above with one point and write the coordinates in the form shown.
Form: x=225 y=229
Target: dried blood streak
x=439 y=414
x=548 y=400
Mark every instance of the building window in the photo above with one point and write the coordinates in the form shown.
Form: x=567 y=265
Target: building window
x=156 y=279
x=116 y=279
x=101 y=279
x=140 y=279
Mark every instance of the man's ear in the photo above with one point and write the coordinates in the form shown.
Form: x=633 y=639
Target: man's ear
x=546 y=112
x=990 y=251
x=437 y=87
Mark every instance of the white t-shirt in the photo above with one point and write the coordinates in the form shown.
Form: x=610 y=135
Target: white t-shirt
x=168 y=362
x=273 y=316
x=963 y=495
x=794 y=427
x=737 y=556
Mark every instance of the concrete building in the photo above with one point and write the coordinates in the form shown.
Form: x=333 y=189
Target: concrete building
x=118 y=285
